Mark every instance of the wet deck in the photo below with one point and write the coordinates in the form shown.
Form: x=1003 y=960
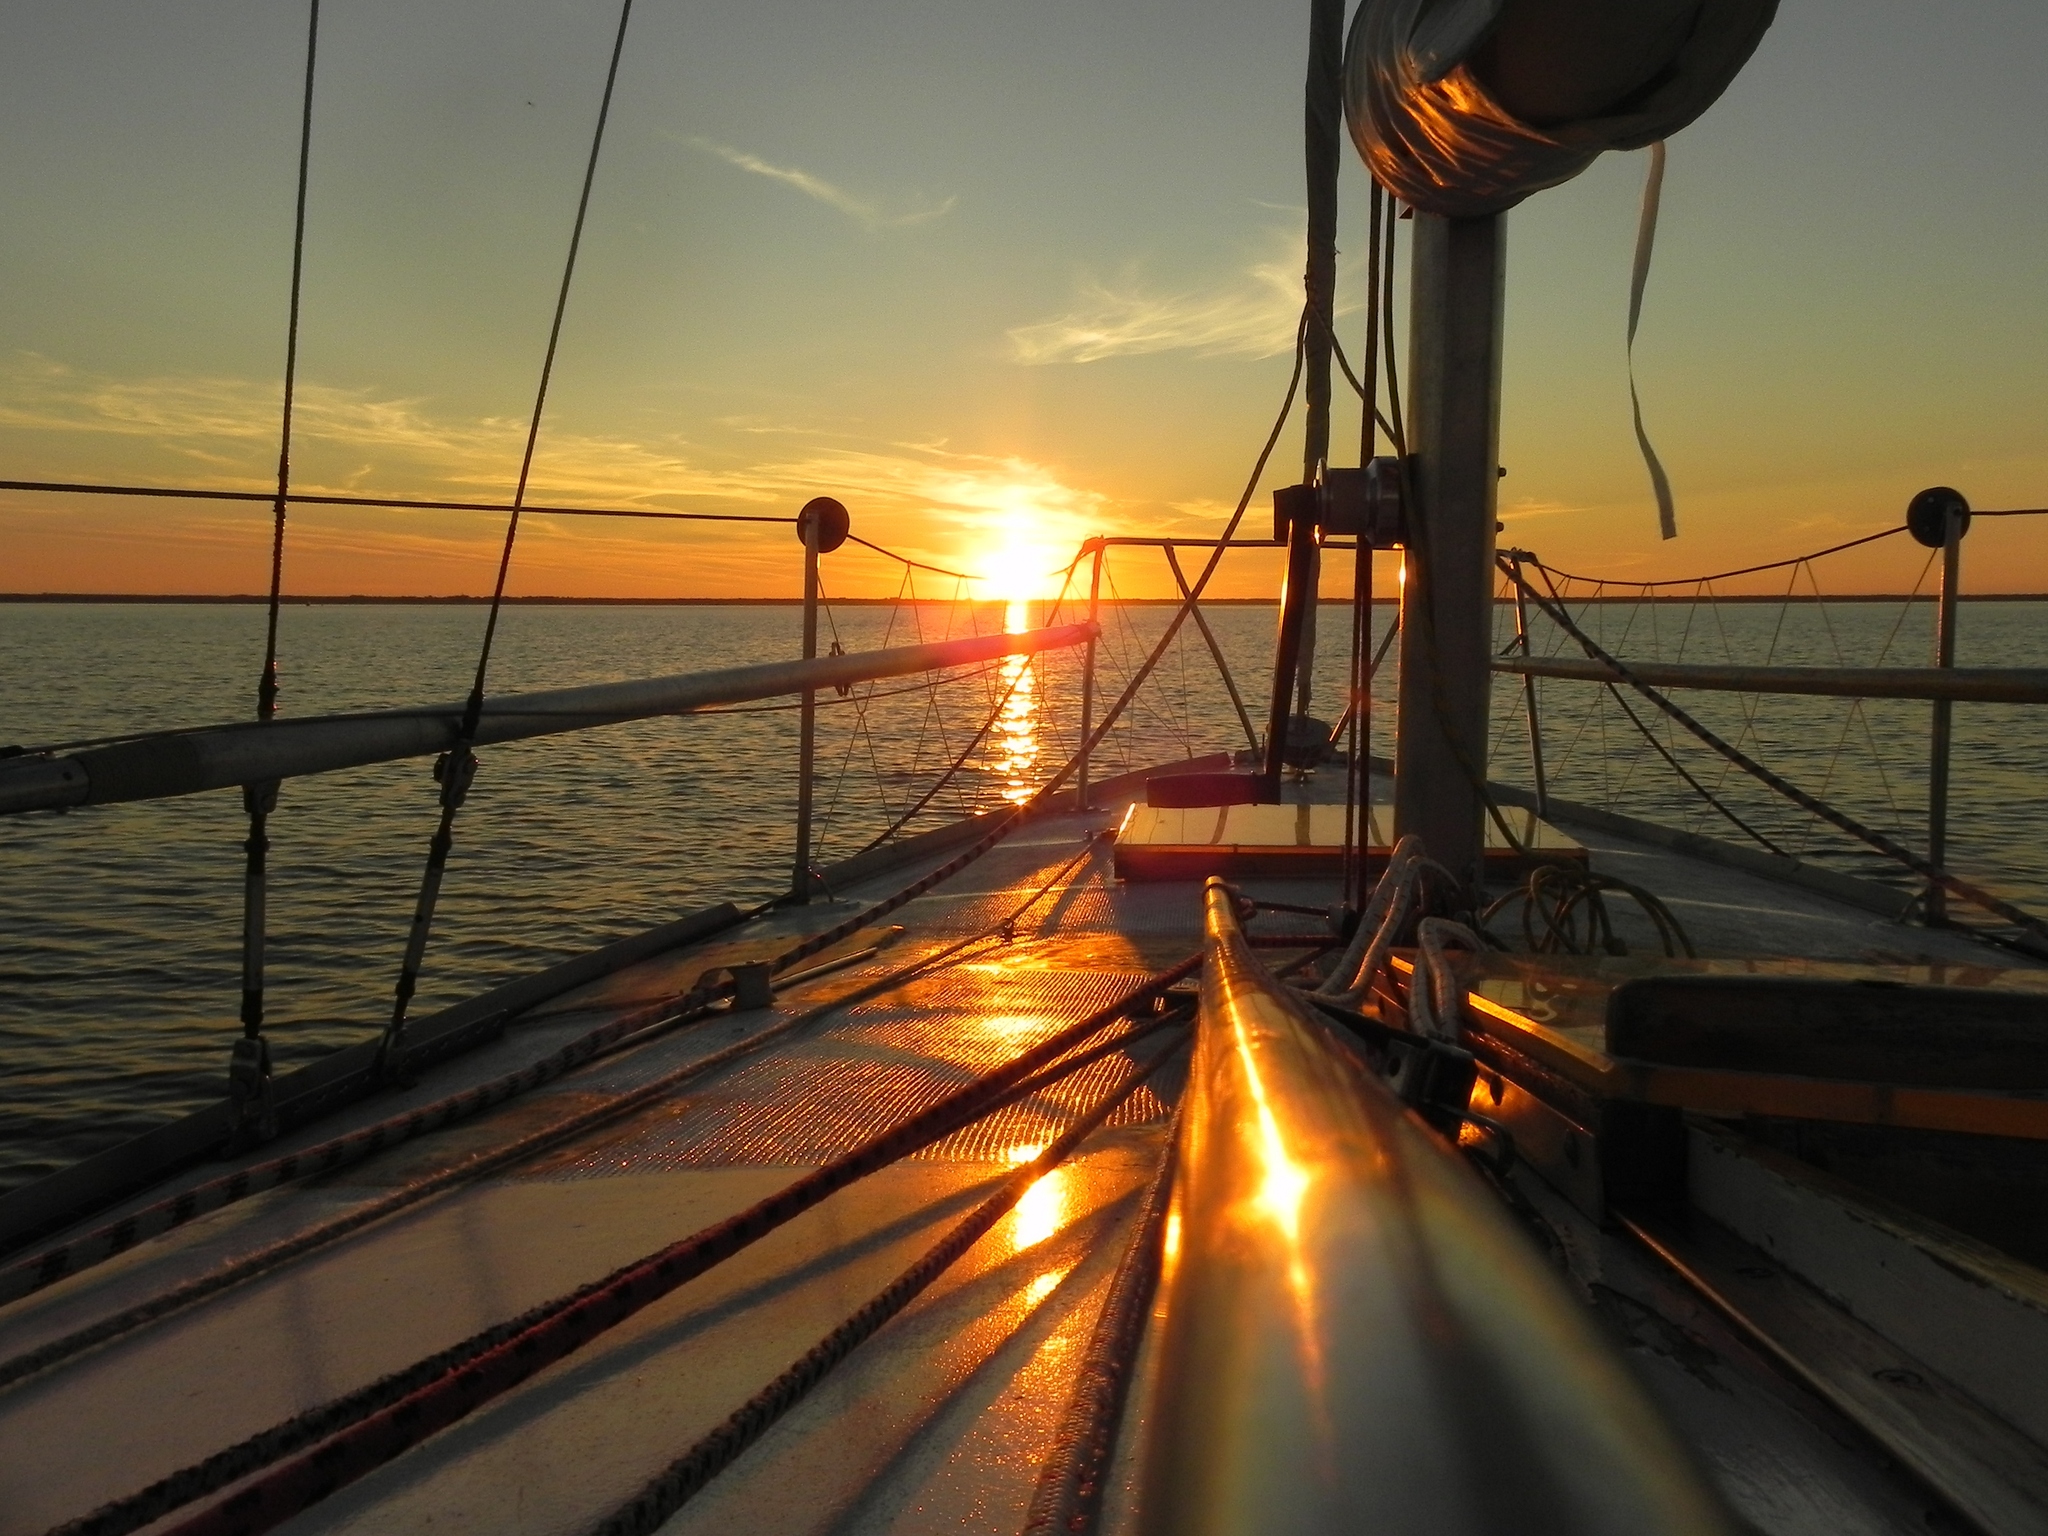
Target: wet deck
x=939 y=1423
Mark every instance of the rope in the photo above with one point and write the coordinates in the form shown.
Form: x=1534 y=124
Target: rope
x=1799 y=797
x=1557 y=895
x=1436 y=998
x=648 y=1510
x=457 y=768
x=46 y=1268
x=1351 y=978
x=315 y=1424
x=558 y=1328
x=1679 y=769
x=1069 y=1493
x=266 y=687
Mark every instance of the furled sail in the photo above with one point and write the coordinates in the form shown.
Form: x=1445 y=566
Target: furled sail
x=1465 y=107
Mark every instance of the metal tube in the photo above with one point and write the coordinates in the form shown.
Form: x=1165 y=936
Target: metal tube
x=1458 y=287
x=1529 y=697
x=807 y=727
x=1358 y=829
x=1088 y=681
x=1935 y=907
x=1297 y=594
x=1244 y=718
x=1355 y=1337
x=220 y=757
x=1977 y=685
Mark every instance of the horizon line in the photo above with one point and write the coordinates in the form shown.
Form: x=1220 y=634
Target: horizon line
x=360 y=599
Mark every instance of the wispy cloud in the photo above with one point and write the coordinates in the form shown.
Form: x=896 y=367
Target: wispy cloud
x=929 y=500
x=1254 y=315
x=869 y=215
x=230 y=425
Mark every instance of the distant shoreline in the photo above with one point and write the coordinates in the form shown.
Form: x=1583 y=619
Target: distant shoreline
x=244 y=599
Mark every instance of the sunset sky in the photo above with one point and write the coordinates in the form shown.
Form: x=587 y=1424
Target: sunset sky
x=996 y=275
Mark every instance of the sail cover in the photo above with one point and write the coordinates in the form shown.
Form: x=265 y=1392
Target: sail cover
x=1465 y=107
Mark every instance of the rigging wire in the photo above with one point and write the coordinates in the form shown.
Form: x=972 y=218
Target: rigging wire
x=249 y=1079
x=457 y=768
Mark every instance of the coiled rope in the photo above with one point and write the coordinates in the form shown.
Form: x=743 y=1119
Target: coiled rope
x=1569 y=902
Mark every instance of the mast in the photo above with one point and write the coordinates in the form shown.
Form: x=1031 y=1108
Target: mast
x=1322 y=120
x=1457 y=291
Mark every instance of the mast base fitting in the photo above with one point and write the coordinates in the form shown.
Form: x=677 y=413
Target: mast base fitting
x=1360 y=503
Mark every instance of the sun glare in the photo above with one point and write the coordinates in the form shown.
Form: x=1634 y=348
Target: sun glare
x=1022 y=542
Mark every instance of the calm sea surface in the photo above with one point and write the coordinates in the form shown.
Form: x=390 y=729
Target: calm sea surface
x=119 y=925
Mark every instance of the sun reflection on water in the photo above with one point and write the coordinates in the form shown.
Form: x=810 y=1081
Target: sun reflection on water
x=1014 y=740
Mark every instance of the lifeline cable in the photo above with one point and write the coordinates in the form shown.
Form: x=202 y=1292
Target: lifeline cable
x=1747 y=570
x=457 y=767
x=147 y=1505
x=648 y=1510
x=1069 y=1492
x=571 y=1321
x=392 y=503
x=1951 y=883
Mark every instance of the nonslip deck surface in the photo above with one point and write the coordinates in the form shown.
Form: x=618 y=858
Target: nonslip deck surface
x=940 y=1421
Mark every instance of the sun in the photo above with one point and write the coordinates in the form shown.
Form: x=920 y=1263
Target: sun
x=1025 y=532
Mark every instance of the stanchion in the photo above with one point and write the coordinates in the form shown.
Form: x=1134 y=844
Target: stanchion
x=1938 y=518
x=1088 y=681
x=822 y=525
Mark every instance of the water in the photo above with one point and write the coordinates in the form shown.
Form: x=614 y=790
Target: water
x=119 y=925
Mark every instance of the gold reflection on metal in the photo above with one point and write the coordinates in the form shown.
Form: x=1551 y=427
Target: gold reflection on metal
x=1283 y=1181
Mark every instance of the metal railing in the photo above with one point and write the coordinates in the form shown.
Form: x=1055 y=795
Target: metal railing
x=1937 y=519
x=248 y=752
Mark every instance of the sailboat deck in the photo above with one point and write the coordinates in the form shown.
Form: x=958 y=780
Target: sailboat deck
x=940 y=1422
